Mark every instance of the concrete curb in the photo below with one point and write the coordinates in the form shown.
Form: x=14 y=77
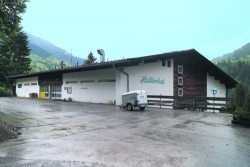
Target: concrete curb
x=240 y=122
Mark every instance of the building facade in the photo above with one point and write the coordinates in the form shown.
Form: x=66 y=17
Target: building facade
x=181 y=73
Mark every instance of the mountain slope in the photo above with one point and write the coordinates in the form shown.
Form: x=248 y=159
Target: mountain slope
x=51 y=49
x=243 y=52
x=35 y=50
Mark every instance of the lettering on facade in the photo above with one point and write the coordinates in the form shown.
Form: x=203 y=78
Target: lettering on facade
x=152 y=80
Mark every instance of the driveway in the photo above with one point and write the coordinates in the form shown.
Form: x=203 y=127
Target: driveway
x=56 y=133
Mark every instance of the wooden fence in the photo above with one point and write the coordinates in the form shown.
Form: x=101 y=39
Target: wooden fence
x=187 y=102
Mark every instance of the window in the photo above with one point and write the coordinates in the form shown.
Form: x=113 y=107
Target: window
x=169 y=63
x=180 y=92
x=163 y=62
x=106 y=80
x=32 y=84
x=87 y=81
x=57 y=88
x=69 y=90
x=27 y=84
x=68 y=82
x=44 y=88
x=19 y=85
x=180 y=81
x=180 y=69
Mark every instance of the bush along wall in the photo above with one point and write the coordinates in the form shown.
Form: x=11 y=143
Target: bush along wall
x=4 y=92
x=241 y=106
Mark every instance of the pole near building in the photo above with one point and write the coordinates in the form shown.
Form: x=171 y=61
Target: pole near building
x=214 y=91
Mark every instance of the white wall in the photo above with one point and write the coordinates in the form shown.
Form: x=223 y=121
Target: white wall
x=121 y=86
x=25 y=90
x=221 y=89
x=156 y=71
x=106 y=92
x=90 y=92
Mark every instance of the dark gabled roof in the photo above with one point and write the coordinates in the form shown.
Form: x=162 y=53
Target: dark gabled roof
x=189 y=55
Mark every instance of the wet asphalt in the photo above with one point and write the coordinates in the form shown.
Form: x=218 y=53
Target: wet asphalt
x=56 y=133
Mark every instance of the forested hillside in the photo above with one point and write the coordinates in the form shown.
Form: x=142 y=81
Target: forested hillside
x=45 y=63
x=236 y=64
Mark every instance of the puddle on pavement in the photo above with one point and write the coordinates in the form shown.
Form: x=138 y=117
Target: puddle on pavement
x=15 y=120
x=8 y=131
x=60 y=128
x=50 y=110
x=11 y=119
x=53 y=110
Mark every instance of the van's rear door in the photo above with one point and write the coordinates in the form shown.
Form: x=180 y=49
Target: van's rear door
x=142 y=98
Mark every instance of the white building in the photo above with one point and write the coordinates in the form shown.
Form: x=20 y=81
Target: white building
x=180 y=73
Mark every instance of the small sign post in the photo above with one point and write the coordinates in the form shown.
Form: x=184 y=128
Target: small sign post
x=160 y=100
x=214 y=91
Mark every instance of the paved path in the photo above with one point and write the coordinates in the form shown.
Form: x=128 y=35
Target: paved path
x=58 y=133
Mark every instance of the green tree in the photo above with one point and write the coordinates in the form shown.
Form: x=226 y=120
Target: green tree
x=239 y=97
x=91 y=59
x=247 y=102
x=10 y=16
x=238 y=70
x=15 y=54
x=240 y=94
x=22 y=51
x=4 y=62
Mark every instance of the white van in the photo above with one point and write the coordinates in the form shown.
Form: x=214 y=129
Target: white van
x=133 y=99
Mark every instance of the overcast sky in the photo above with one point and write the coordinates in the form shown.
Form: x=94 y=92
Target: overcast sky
x=133 y=28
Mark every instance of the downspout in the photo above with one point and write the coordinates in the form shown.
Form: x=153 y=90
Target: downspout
x=125 y=74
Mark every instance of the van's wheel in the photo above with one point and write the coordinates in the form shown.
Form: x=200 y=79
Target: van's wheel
x=129 y=107
x=142 y=108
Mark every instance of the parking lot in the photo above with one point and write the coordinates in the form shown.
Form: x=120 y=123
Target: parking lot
x=56 y=133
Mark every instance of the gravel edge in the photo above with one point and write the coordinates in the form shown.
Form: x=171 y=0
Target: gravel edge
x=8 y=131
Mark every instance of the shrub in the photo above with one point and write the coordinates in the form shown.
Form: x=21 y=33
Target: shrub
x=223 y=108
x=4 y=92
x=241 y=114
x=241 y=104
x=231 y=106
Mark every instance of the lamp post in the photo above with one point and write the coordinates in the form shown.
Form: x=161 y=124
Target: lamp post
x=214 y=91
